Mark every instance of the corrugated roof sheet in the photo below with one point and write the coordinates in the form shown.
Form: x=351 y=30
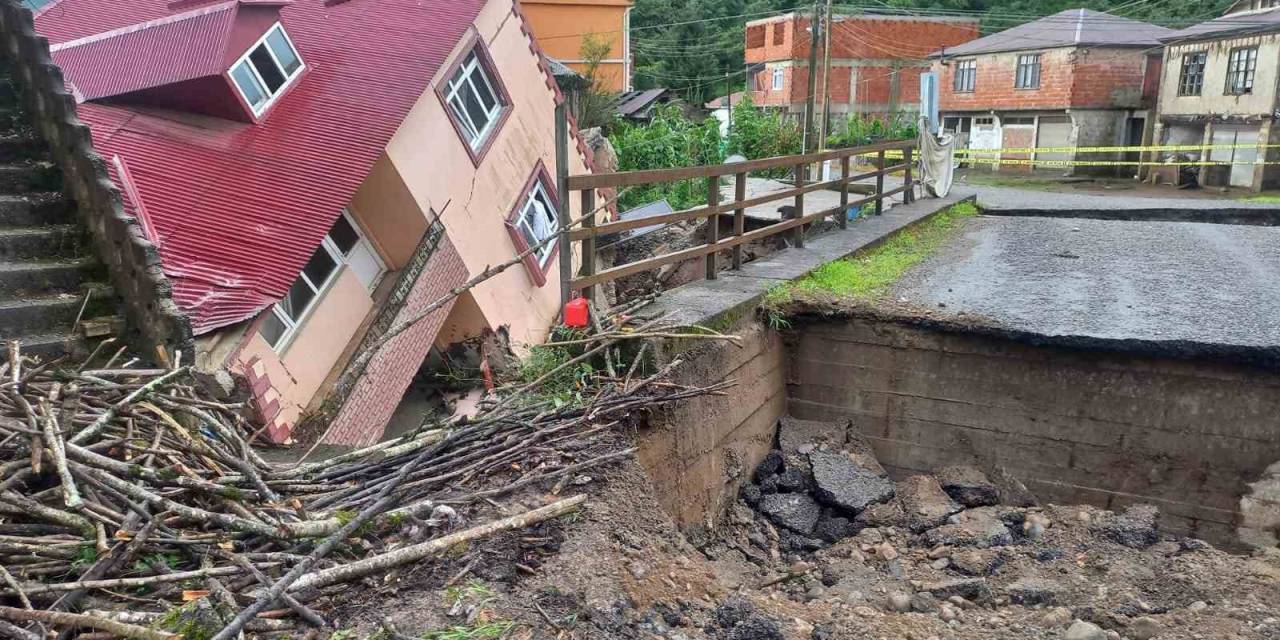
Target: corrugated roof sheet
x=239 y=207
x=632 y=102
x=1070 y=28
x=152 y=54
x=1230 y=25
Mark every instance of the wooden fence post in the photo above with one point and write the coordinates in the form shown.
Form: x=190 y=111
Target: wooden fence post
x=797 y=236
x=880 y=183
x=739 y=218
x=909 y=195
x=562 y=189
x=589 y=242
x=844 y=192
x=713 y=225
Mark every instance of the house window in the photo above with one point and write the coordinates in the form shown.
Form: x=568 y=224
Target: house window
x=474 y=100
x=1028 y=76
x=1241 y=66
x=984 y=122
x=270 y=65
x=779 y=78
x=779 y=33
x=533 y=221
x=1018 y=121
x=966 y=76
x=1191 y=82
x=344 y=245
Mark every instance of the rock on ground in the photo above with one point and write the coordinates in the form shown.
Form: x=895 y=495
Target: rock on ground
x=1135 y=528
x=980 y=528
x=1033 y=591
x=924 y=503
x=1082 y=630
x=795 y=511
x=842 y=483
x=967 y=588
x=1012 y=492
x=969 y=486
x=977 y=562
x=794 y=434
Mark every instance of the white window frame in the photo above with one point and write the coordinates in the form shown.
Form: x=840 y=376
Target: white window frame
x=966 y=78
x=452 y=87
x=289 y=79
x=291 y=326
x=520 y=221
x=779 y=79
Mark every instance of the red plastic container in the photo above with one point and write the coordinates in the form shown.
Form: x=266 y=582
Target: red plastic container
x=576 y=313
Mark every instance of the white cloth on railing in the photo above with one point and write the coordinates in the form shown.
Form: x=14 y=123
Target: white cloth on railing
x=937 y=166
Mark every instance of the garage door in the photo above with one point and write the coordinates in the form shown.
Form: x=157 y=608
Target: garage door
x=1054 y=132
x=1242 y=159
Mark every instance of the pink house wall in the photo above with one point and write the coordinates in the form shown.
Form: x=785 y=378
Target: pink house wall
x=427 y=171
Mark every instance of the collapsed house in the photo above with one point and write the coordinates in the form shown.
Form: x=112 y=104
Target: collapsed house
x=307 y=186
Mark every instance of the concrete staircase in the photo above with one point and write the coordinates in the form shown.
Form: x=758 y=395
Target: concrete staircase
x=49 y=277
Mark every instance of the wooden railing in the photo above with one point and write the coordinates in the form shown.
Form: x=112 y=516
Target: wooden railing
x=588 y=231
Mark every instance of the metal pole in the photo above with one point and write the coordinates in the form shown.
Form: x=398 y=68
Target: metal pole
x=562 y=189
x=826 y=80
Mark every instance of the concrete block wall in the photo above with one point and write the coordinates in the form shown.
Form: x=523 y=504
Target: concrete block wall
x=698 y=453
x=1076 y=427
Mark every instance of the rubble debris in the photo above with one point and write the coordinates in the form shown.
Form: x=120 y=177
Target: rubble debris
x=126 y=482
x=797 y=512
x=841 y=482
x=1082 y=630
x=1012 y=492
x=968 y=486
x=981 y=528
x=794 y=434
x=1136 y=527
x=1033 y=591
x=977 y=562
x=924 y=503
x=974 y=589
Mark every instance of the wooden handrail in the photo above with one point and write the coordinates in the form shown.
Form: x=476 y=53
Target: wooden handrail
x=715 y=207
x=633 y=178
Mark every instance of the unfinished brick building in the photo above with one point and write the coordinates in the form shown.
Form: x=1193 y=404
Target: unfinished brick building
x=876 y=61
x=1077 y=78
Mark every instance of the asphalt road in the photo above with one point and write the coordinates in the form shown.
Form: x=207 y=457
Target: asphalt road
x=1208 y=283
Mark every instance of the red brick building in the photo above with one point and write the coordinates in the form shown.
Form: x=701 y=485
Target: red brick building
x=1074 y=79
x=876 y=61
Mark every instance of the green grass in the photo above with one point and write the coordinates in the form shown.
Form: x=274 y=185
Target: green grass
x=1265 y=198
x=869 y=275
x=1017 y=182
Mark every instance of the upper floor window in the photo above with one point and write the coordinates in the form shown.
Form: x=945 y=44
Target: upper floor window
x=344 y=244
x=1191 y=82
x=966 y=76
x=1241 y=66
x=1028 y=76
x=474 y=100
x=269 y=66
x=779 y=33
x=779 y=78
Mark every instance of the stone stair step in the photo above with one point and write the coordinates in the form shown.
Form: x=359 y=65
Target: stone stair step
x=55 y=312
x=26 y=177
x=19 y=279
x=49 y=241
x=48 y=346
x=18 y=147
x=35 y=209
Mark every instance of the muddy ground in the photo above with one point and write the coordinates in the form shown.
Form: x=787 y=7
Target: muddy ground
x=620 y=569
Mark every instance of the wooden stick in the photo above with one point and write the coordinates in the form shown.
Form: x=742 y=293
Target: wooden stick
x=82 y=620
x=422 y=551
x=102 y=421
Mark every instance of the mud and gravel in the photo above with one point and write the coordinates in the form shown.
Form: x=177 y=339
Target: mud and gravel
x=622 y=570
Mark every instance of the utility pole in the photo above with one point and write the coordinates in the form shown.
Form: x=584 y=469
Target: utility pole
x=826 y=80
x=815 y=32
x=728 y=97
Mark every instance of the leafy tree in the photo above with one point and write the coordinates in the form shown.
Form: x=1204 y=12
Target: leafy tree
x=594 y=105
x=670 y=140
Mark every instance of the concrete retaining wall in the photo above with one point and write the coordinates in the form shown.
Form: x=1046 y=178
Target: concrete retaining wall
x=1076 y=426
x=697 y=453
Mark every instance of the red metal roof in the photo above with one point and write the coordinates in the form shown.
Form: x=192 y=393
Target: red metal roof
x=239 y=208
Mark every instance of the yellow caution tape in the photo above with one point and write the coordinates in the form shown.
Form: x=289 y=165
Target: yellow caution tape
x=1166 y=148
x=1102 y=163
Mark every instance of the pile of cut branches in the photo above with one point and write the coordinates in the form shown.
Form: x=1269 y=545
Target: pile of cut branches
x=128 y=492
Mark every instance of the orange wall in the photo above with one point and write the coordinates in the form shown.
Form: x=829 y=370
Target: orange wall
x=560 y=25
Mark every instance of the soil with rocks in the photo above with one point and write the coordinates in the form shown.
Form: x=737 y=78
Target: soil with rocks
x=824 y=545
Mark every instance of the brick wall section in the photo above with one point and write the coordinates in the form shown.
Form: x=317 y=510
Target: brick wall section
x=376 y=395
x=1069 y=78
x=132 y=262
x=875 y=45
x=1075 y=426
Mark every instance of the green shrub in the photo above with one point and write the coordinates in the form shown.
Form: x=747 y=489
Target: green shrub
x=670 y=141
